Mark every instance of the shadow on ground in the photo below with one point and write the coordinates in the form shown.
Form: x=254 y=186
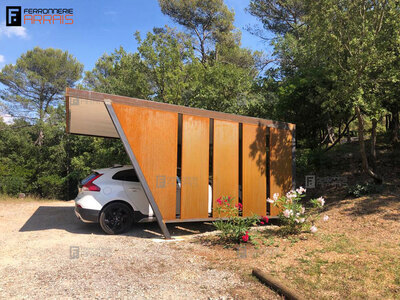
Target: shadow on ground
x=387 y=204
x=63 y=218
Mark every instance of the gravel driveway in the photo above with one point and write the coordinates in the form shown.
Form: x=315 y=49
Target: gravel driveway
x=38 y=239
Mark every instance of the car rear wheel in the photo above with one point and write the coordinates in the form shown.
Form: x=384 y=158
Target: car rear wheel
x=116 y=218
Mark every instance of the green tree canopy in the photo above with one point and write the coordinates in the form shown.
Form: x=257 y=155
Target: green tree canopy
x=166 y=58
x=37 y=81
x=279 y=16
x=209 y=21
x=336 y=59
x=120 y=73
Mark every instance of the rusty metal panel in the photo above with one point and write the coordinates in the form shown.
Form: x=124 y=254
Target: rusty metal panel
x=225 y=160
x=280 y=163
x=152 y=135
x=254 y=180
x=92 y=116
x=195 y=161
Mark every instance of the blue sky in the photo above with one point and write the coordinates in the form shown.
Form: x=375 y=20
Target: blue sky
x=99 y=26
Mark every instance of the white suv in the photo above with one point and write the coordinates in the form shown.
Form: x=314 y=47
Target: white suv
x=114 y=197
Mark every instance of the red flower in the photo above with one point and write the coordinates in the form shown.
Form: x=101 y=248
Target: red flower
x=219 y=201
x=265 y=218
x=239 y=206
x=262 y=223
x=245 y=238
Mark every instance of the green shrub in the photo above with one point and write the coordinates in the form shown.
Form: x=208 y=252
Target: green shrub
x=359 y=190
x=13 y=185
x=308 y=160
x=235 y=228
x=51 y=186
x=293 y=215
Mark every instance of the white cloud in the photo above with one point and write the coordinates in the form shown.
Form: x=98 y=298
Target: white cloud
x=2 y=62
x=8 y=119
x=10 y=31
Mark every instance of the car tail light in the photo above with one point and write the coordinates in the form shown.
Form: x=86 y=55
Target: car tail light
x=90 y=186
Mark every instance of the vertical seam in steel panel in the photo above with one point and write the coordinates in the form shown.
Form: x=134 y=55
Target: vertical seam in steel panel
x=211 y=162
x=240 y=170
x=267 y=167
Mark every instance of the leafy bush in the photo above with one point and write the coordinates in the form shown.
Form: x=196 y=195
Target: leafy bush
x=235 y=228
x=293 y=214
x=358 y=190
x=54 y=169
x=12 y=185
x=51 y=186
x=13 y=179
x=308 y=160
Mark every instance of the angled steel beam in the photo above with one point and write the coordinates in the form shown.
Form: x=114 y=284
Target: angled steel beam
x=142 y=179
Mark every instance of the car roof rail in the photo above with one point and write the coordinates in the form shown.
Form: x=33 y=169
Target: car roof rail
x=116 y=166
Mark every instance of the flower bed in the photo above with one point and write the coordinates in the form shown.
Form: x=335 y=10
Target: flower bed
x=294 y=217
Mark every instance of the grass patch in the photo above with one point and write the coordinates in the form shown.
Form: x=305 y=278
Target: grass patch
x=339 y=243
x=7 y=198
x=329 y=264
x=346 y=268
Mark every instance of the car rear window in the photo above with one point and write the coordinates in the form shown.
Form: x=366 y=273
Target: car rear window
x=90 y=177
x=126 y=175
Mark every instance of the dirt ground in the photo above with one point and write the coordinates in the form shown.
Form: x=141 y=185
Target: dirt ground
x=45 y=252
x=353 y=255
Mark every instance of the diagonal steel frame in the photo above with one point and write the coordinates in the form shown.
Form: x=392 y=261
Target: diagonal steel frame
x=142 y=179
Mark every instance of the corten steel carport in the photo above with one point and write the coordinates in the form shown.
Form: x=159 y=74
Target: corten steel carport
x=230 y=150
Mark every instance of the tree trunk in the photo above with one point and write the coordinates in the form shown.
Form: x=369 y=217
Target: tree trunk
x=373 y=144
x=387 y=125
x=348 y=135
x=329 y=137
x=395 y=127
x=203 y=52
x=330 y=133
x=39 y=140
x=346 y=129
x=378 y=179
